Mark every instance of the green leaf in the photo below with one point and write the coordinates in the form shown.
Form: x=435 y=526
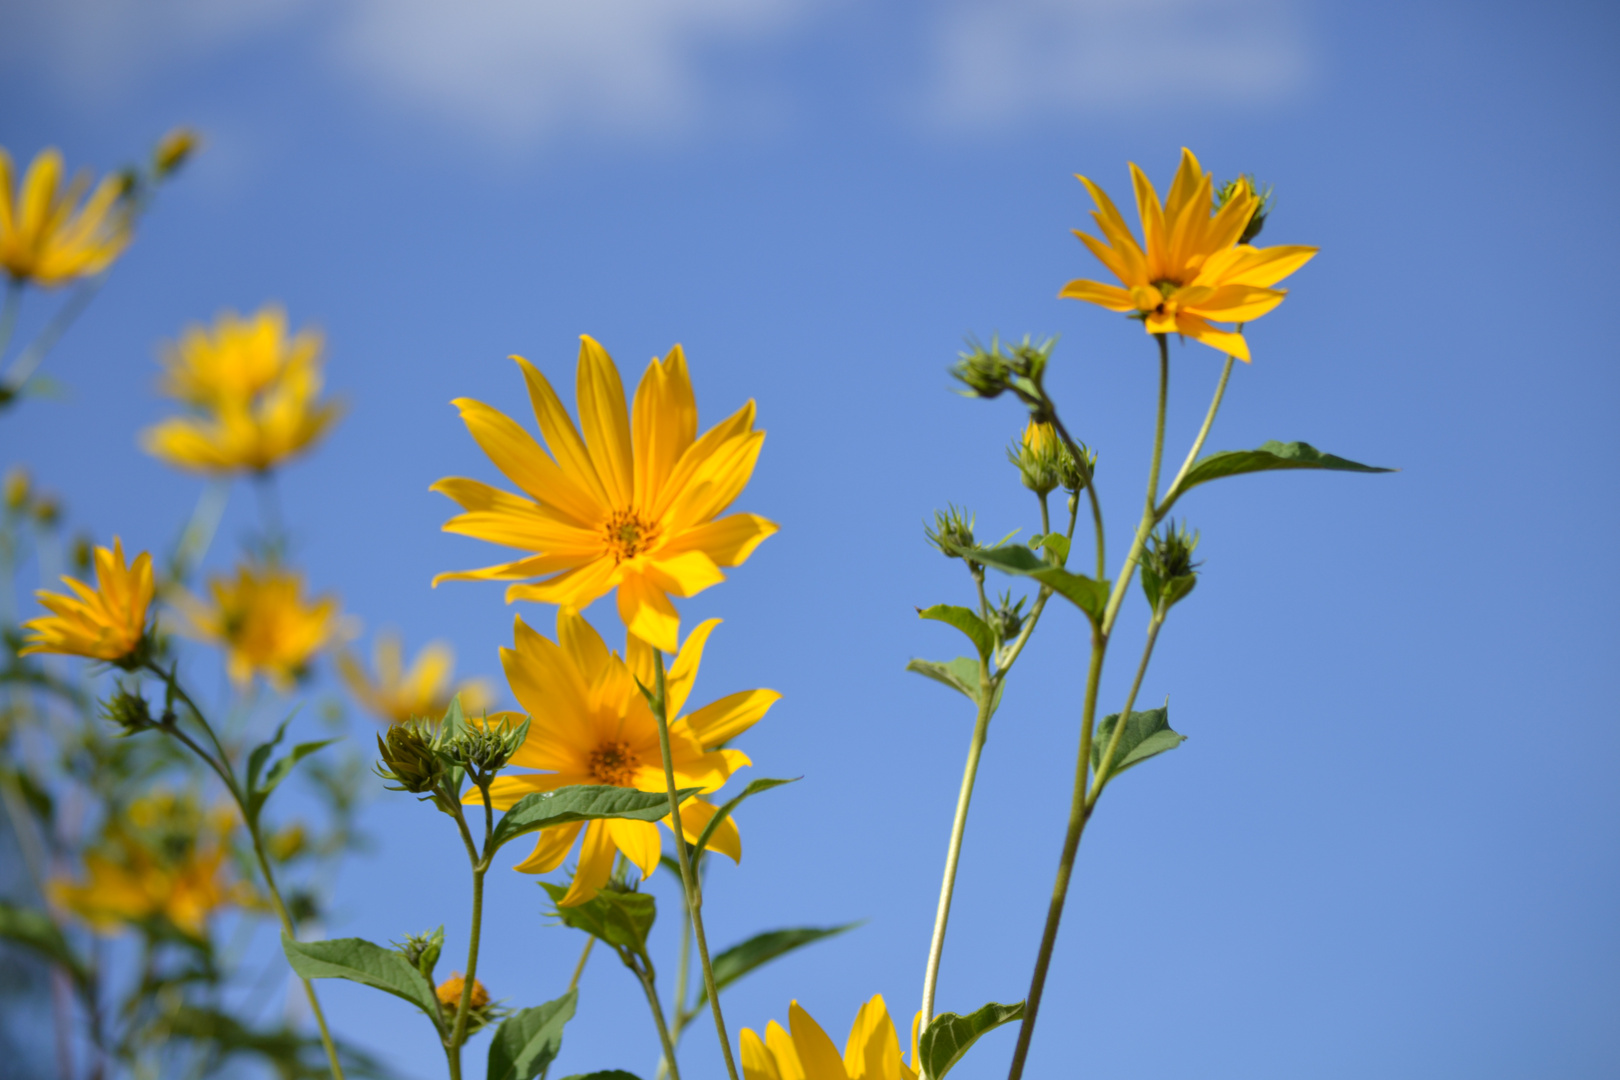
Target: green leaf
x=360 y=961
x=961 y=675
x=622 y=919
x=1147 y=734
x=966 y=621
x=33 y=928
x=754 y=788
x=279 y=771
x=261 y=754
x=582 y=802
x=528 y=1040
x=1056 y=543
x=1089 y=595
x=761 y=949
x=1270 y=456
x=949 y=1036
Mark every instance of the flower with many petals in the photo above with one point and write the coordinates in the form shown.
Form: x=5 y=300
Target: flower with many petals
x=871 y=1053
x=590 y=725
x=104 y=623
x=46 y=235
x=397 y=694
x=254 y=394
x=631 y=506
x=1191 y=268
x=262 y=621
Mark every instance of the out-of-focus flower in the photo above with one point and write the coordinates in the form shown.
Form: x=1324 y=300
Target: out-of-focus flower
x=449 y=993
x=174 y=150
x=47 y=236
x=104 y=623
x=591 y=725
x=165 y=857
x=631 y=506
x=253 y=390
x=872 y=1052
x=1192 y=267
x=18 y=487
x=288 y=842
x=263 y=622
x=396 y=694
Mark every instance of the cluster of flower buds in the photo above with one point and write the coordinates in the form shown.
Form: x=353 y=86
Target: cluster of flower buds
x=990 y=372
x=485 y=749
x=412 y=757
x=1045 y=462
x=422 y=950
x=952 y=532
x=1224 y=193
x=1008 y=617
x=1168 y=570
x=428 y=758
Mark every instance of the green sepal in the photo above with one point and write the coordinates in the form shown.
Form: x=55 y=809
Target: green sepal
x=33 y=928
x=761 y=949
x=1087 y=594
x=948 y=1036
x=358 y=960
x=724 y=811
x=528 y=1040
x=1153 y=588
x=1147 y=734
x=622 y=919
x=1270 y=456
x=961 y=675
x=977 y=631
x=582 y=802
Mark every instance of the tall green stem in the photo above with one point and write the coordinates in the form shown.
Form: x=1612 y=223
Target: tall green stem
x=1105 y=766
x=1079 y=806
x=692 y=889
x=28 y=361
x=480 y=865
x=8 y=313
x=649 y=985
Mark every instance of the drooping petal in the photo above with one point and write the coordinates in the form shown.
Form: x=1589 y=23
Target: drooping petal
x=533 y=566
x=595 y=865
x=816 y=1051
x=604 y=421
x=506 y=791
x=1095 y=292
x=647 y=613
x=550 y=849
x=1232 y=344
x=638 y=841
x=695 y=817
x=683 y=672
x=732 y=715
x=574 y=588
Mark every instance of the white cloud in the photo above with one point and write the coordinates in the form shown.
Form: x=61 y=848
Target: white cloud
x=1000 y=61
x=522 y=69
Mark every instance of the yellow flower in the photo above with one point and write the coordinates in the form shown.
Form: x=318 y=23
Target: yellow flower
x=614 y=510
x=449 y=993
x=1193 y=269
x=46 y=236
x=165 y=857
x=590 y=725
x=396 y=695
x=104 y=623
x=174 y=149
x=254 y=392
x=262 y=621
x=872 y=1052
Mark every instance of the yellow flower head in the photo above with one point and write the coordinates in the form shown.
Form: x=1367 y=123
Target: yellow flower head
x=165 y=857
x=590 y=725
x=253 y=390
x=632 y=506
x=872 y=1052
x=449 y=993
x=264 y=624
x=1191 y=269
x=396 y=694
x=104 y=623
x=46 y=236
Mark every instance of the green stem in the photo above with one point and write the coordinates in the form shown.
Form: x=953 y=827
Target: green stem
x=28 y=361
x=8 y=313
x=480 y=866
x=694 y=895
x=1079 y=806
x=1174 y=492
x=1105 y=766
x=649 y=984
x=579 y=968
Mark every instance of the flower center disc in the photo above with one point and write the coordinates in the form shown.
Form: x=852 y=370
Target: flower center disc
x=613 y=763
x=628 y=535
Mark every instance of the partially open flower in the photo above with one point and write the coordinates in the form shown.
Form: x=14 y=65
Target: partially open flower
x=104 y=623
x=46 y=235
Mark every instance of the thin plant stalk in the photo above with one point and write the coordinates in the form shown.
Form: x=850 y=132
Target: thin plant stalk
x=22 y=369
x=693 y=890
x=579 y=968
x=480 y=866
x=649 y=984
x=221 y=768
x=8 y=312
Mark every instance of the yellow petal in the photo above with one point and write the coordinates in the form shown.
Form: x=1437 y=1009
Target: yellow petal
x=1152 y=214
x=695 y=817
x=506 y=791
x=665 y=419
x=686 y=573
x=604 y=421
x=638 y=841
x=648 y=614
x=595 y=865
x=524 y=463
x=758 y=1063
x=562 y=438
x=1095 y=292
x=513 y=571
x=873 y=1050
x=733 y=426
x=582 y=645
x=550 y=849
x=683 y=672
x=573 y=588
x=780 y=1043
x=817 y=1054
x=728 y=540
x=1231 y=344
x=732 y=715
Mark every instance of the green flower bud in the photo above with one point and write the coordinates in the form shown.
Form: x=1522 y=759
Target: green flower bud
x=128 y=710
x=1247 y=185
x=410 y=758
x=422 y=950
x=952 y=532
x=1008 y=617
x=1168 y=570
x=484 y=750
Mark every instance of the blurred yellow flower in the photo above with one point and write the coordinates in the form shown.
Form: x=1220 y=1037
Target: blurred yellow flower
x=872 y=1052
x=46 y=235
x=590 y=725
x=262 y=621
x=1193 y=268
x=613 y=510
x=166 y=857
x=396 y=694
x=174 y=149
x=104 y=623
x=253 y=390
x=449 y=993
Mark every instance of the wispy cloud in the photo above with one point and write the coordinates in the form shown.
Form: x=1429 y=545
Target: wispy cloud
x=998 y=61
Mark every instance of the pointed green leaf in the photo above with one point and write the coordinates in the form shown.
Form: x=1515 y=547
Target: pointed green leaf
x=1272 y=455
x=1057 y=544
x=582 y=802
x=33 y=928
x=1147 y=734
x=360 y=961
x=754 y=788
x=529 y=1039
x=261 y=754
x=966 y=621
x=621 y=918
x=1089 y=595
x=278 y=772
x=948 y=1036
x=761 y=949
x=961 y=675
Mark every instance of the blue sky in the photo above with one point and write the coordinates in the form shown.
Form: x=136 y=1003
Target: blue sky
x=1389 y=845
